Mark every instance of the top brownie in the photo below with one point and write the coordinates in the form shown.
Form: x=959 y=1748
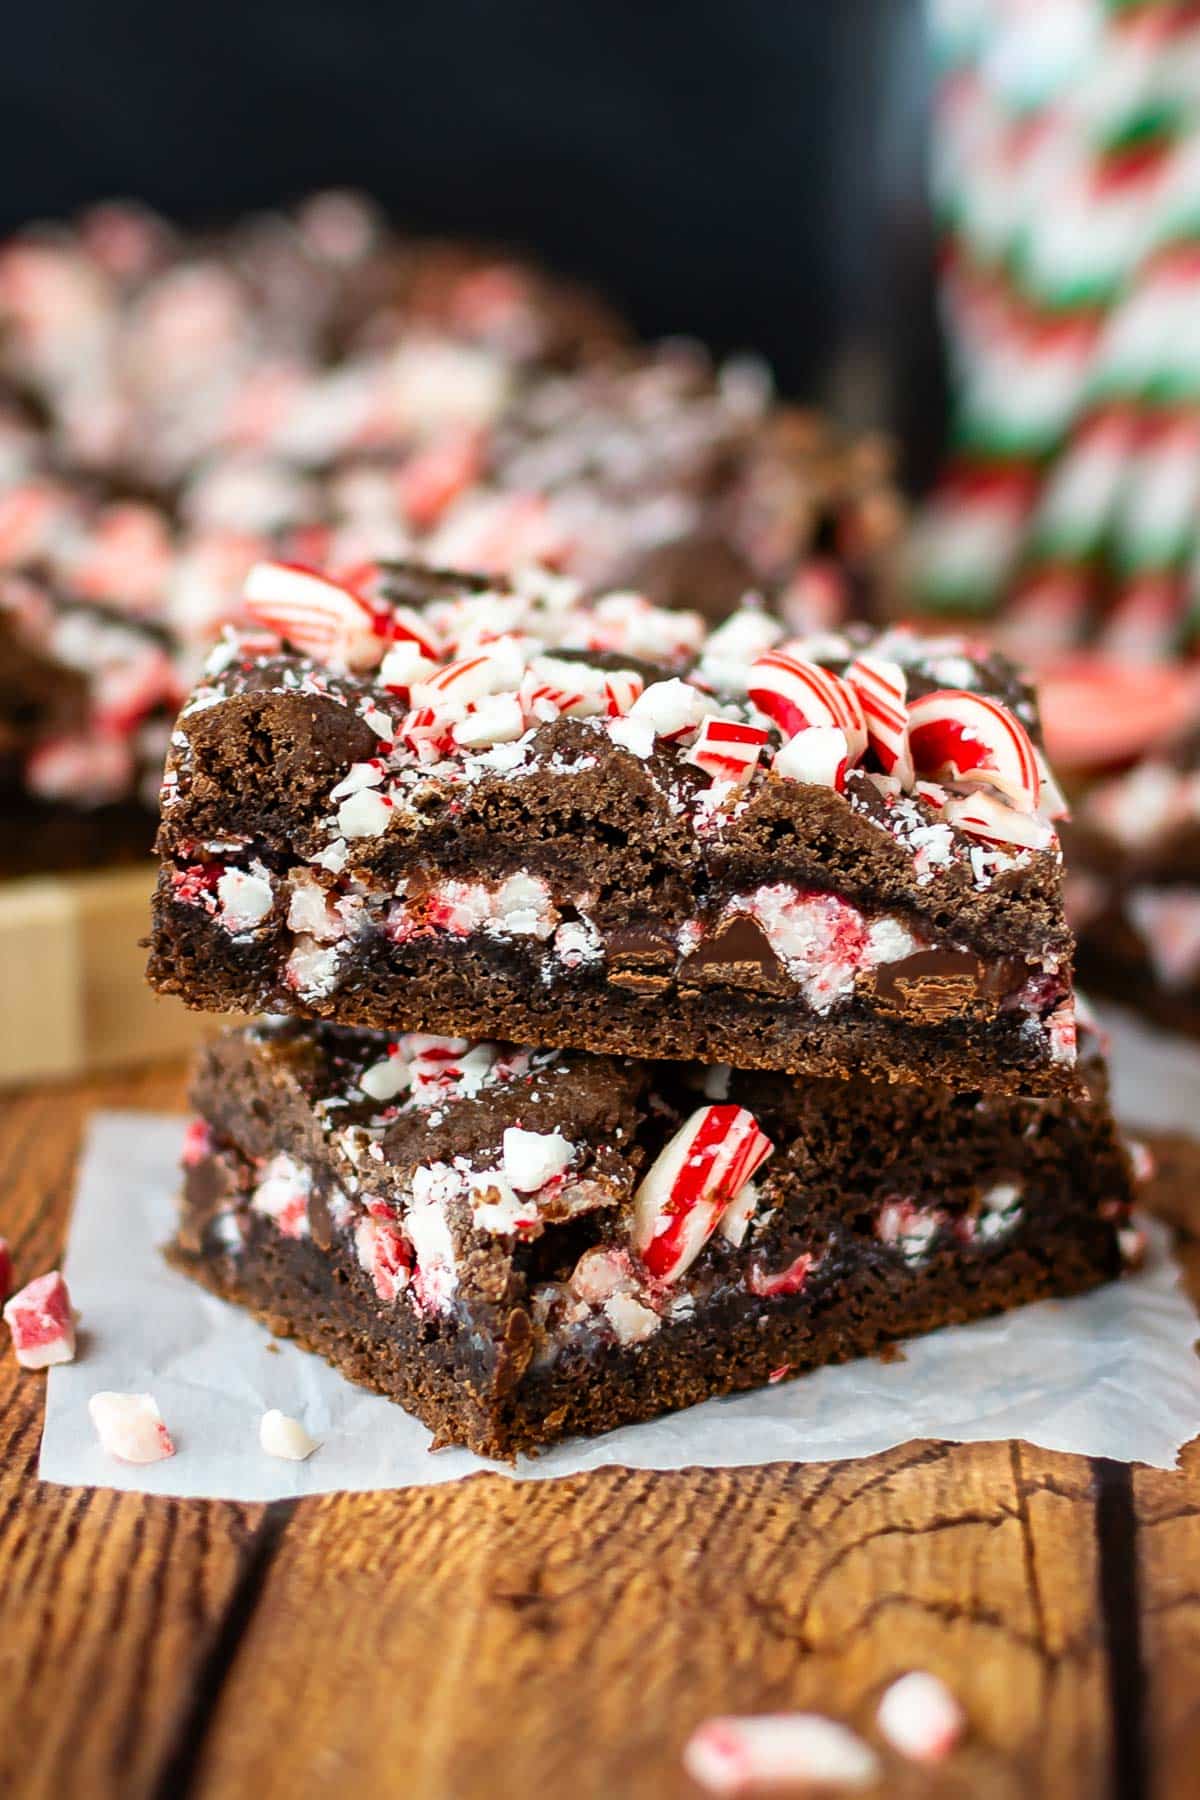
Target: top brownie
x=422 y=801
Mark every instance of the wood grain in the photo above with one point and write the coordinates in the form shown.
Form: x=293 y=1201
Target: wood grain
x=1167 y=1548
x=562 y=1638
x=106 y=1601
x=600 y=1619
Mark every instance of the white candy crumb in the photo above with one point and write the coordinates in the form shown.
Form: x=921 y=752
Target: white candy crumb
x=246 y=897
x=532 y=1158
x=634 y=735
x=741 y=1756
x=920 y=1717
x=130 y=1427
x=632 y=1322
x=384 y=1080
x=813 y=756
x=281 y=1436
x=364 y=814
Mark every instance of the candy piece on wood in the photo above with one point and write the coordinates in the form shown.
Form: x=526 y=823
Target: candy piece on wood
x=130 y=1427
x=796 y=1751
x=920 y=1717
x=684 y=1193
x=42 y=1323
x=968 y=739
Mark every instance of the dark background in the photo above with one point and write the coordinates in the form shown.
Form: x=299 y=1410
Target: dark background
x=749 y=171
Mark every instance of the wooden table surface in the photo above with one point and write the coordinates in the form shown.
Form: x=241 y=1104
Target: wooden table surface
x=562 y=1638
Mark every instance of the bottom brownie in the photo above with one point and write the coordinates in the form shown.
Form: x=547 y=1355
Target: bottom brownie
x=521 y=1246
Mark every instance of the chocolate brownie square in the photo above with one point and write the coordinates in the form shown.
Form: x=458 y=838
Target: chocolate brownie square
x=521 y=1245
x=593 y=823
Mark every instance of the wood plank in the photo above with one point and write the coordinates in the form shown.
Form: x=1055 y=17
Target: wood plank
x=563 y=1638
x=72 y=976
x=1166 y=1510
x=109 y=1604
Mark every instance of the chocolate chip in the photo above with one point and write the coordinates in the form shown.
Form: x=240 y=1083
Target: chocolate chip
x=640 y=959
x=738 y=955
x=934 y=984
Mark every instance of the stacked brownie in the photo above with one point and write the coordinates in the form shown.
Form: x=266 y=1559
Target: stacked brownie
x=174 y=407
x=654 y=1010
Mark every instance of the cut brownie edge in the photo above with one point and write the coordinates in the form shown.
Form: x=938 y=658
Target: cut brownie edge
x=573 y=798
x=928 y=1017
x=318 y=1300
x=521 y=1245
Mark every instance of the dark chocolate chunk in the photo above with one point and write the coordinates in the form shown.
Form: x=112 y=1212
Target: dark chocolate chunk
x=640 y=958
x=937 y=984
x=739 y=955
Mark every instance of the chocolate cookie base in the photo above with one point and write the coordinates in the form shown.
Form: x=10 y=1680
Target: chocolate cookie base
x=350 y=1190
x=482 y=988
x=324 y=1302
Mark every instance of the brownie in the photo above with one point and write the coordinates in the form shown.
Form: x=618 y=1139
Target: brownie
x=1133 y=886
x=314 y=385
x=521 y=1245
x=564 y=850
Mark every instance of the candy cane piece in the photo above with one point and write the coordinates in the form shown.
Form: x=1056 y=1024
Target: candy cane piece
x=966 y=738
x=882 y=689
x=726 y=750
x=682 y=1196
x=796 y=695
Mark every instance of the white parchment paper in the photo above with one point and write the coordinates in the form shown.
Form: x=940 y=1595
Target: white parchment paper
x=1112 y=1373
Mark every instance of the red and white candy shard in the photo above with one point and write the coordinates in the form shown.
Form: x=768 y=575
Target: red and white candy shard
x=967 y=738
x=796 y=694
x=42 y=1323
x=793 y=1750
x=497 y=670
x=321 y=617
x=920 y=1717
x=988 y=817
x=621 y=689
x=819 y=756
x=790 y=1280
x=437 y=474
x=882 y=689
x=130 y=1427
x=1052 y=802
x=726 y=750
x=682 y=1196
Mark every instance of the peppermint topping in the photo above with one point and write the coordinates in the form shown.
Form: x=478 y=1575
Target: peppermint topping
x=682 y=1198
x=532 y=1158
x=475 y=680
